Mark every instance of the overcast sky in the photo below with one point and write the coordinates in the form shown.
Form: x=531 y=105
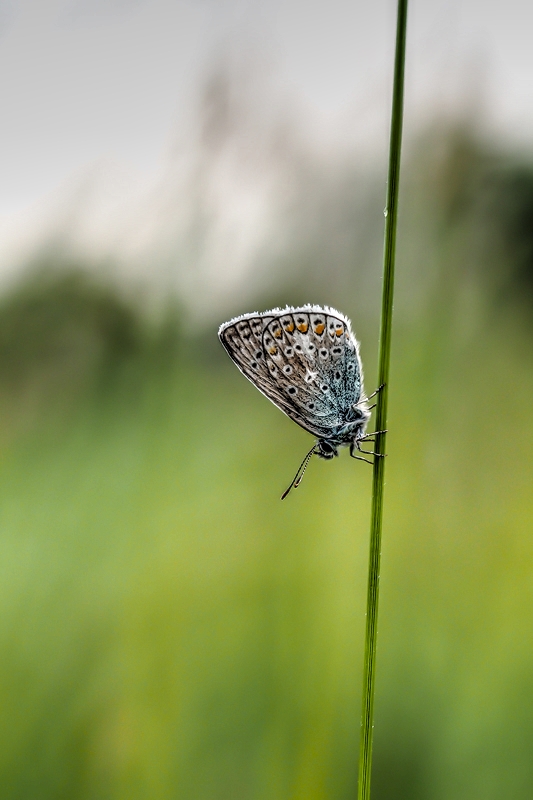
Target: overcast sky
x=85 y=80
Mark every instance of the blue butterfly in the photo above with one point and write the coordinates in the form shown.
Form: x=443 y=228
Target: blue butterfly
x=306 y=361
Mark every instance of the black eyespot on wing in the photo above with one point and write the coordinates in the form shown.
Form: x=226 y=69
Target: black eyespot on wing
x=337 y=375
x=292 y=390
x=337 y=351
x=287 y=323
x=319 y=326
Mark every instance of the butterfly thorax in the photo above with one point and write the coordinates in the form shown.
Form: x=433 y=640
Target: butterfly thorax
x=347 y=434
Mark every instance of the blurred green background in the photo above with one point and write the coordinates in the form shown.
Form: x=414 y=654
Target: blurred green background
x=168 y=628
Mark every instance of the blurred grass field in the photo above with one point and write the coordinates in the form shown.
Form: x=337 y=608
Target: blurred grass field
x=169 y=629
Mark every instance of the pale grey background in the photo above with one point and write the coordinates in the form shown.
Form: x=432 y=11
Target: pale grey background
x=103 y=94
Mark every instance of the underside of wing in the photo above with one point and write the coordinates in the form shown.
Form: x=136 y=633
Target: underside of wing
x=305 y=360
x=242 y=338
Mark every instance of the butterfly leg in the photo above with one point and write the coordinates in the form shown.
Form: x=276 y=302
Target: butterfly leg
x=370 y=396
x=355 y=445
x=368 y=436
x=359 y=458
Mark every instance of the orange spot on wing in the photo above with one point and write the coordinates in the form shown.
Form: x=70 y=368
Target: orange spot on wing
x=289 y=326
x=319 y=328
x=273 y=351
x=339 y=332
x=278 y=333
x=303 y=327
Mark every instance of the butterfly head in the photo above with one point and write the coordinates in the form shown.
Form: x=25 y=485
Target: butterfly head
x=326 y=448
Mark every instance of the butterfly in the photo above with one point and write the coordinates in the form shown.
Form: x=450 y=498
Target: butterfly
x=306 y=361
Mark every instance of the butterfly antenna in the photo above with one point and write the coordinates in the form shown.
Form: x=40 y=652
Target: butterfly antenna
x=296 y=481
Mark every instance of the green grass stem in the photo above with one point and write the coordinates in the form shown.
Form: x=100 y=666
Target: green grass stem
x=391 y=214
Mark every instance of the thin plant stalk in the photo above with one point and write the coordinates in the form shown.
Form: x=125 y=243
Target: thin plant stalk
x=391 y=214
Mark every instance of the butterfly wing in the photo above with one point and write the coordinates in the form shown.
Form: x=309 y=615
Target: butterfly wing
x=243 y=339
x=339 y=363
x=305 y=360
